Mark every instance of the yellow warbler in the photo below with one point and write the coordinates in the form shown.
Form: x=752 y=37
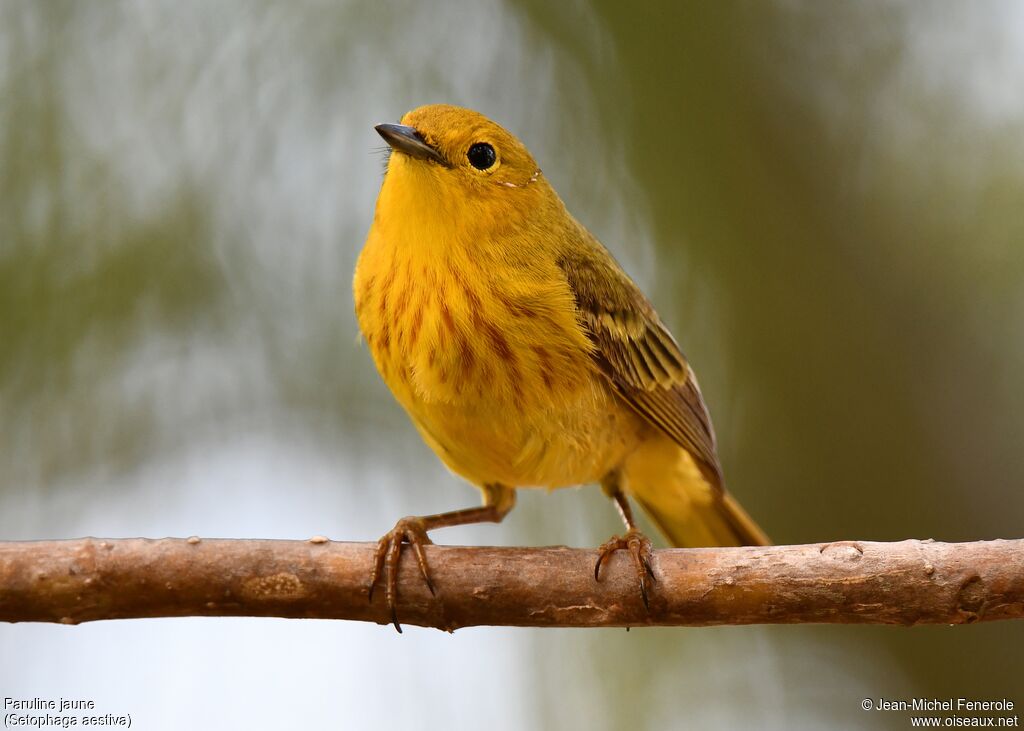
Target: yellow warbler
x=522 y=352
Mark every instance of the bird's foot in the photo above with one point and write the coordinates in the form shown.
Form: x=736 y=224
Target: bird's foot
x=389 y=550
x=639 y=547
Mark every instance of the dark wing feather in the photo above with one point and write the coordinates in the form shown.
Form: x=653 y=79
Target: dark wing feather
x=638 y=354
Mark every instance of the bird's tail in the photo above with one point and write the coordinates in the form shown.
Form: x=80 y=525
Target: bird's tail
x=684 y=501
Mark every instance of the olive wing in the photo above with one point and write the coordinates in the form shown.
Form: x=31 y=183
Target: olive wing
x=638 y=355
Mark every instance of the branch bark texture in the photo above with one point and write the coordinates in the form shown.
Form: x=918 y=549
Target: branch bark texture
x=849 y=582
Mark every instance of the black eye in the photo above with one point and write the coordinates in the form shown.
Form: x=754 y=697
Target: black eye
x=481 y=155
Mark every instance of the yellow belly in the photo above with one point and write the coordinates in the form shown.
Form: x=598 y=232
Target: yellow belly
x=497 y=376
x=487 y=443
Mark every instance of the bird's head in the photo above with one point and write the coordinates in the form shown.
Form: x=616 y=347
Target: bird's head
x=455 y=160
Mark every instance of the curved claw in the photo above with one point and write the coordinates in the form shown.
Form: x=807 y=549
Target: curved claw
x=389 y=551
x=639 y=547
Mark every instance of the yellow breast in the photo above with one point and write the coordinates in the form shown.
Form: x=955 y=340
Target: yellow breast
x=489 y=360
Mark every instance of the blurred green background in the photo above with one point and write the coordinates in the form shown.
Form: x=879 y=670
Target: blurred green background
x=824 y=200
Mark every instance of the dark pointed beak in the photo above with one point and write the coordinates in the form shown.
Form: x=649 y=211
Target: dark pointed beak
x=410 y=142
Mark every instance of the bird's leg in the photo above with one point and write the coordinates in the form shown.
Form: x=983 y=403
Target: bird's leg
x=498 y=501
x=638 y=545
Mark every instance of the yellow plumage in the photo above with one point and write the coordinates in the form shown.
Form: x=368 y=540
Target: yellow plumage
x=522 y=352
x=481 y=345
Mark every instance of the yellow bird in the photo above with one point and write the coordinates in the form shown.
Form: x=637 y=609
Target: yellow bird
x=521 y=350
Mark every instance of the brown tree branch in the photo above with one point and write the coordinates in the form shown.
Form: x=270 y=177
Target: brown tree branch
x=910 y=582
